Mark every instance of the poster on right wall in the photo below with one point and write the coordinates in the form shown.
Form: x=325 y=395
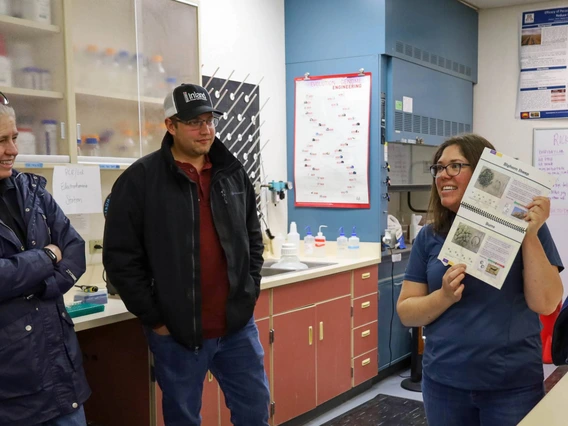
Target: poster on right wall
x=543 y=54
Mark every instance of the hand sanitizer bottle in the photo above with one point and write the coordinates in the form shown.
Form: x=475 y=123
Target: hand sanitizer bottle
x=342 y=244
x=353 y=245
x=309 y=242
x=320 y=243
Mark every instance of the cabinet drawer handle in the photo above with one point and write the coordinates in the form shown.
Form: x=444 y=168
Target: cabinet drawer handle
x=366 y=275
x=209 y=376
x=366 y=362
x=365 y=305
x=366 y=333
x=310 y=335
x=321 y=330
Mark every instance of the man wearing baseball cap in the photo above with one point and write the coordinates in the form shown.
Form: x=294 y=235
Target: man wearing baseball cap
x=183 y=247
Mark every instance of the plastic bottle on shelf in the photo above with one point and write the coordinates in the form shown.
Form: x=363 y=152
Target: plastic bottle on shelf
x=342 y=244
x=26 y=141
x=110 y=71
x=37 y=10
x=309 y=242
x=139 y=63
x=45 y=81
x=171 y=83
x=49 y=129
x=5 y=65
x=293 y=237
x=90 y=68
x=79 y=147
x=353 y=245
x=320 y=249
x=91 y=146
x=128 y=148
x=5 y=7
x=289 y=259
x=156 y=78
x=127 y=76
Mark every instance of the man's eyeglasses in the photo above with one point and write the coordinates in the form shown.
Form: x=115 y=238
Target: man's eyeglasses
x=196 y=124
x=3 y=99
x=452 y=169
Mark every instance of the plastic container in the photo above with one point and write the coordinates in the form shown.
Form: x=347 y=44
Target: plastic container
x=91 y=146
x=5 y=65
x=5 y=7
x=45 y=80
x=37 y=10
x=49 y=128
x=353 y=245
x=26 y=141
x=156 y=78
x=79 y=147
x=171 y=83
x=293 y=237
x=128 y=147
x=289 y=259
x=319 y=246
x=342 y=244
x=277 y=243
x=27 y=77
x=309 y=242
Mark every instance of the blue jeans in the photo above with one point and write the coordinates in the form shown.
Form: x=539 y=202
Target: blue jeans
x=77 y=418
x=448 y=406
x=236 y=361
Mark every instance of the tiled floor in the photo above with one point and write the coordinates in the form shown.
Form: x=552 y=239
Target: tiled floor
x=388 y=386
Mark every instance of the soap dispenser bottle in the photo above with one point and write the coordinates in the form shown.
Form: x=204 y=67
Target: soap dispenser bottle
x=342 y=244
x=309 y=242
x=319 y=250
x=353 y=244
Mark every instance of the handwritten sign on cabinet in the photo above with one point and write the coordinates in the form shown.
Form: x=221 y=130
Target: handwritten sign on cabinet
x=77 y=189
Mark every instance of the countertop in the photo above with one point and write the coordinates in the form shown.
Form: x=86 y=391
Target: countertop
x=551 y=410
x=115 y=310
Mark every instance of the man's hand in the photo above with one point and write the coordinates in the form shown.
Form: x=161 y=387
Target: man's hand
x=161 y=330
x=55 y=250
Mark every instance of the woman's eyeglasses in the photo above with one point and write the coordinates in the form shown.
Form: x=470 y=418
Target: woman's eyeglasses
x=452 y=169
x=3 y=99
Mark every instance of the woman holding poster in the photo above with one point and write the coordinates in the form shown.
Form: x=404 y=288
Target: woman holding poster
x=482 y=359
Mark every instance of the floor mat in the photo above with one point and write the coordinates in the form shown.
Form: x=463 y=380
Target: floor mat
x=384 y=410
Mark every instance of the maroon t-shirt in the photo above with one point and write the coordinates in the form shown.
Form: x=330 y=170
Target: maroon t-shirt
x=214 y=277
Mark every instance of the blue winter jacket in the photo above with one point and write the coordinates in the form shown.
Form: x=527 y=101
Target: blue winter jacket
x=41 y=372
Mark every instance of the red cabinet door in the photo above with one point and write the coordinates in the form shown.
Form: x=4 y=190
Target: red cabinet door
x=294 y=357
x=333 y=321
x=263 y=332
x=210 y=401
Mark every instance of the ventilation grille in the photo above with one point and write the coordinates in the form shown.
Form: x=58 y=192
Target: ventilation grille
x=431 y=58
x=419 y=124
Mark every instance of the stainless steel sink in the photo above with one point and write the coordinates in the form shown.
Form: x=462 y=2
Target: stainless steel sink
x=267 y=271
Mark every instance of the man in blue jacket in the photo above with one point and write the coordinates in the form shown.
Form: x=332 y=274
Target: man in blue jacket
x=42 y=381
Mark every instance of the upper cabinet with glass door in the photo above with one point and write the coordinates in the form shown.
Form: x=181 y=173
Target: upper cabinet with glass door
x=33 y=77
x=127 y=54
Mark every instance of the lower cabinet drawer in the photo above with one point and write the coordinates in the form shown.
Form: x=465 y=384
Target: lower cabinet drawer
x=365 y=367
x=365 y=309
x=365 y=338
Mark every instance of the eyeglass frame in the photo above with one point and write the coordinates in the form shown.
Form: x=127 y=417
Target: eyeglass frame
x=213 y=122
x=5 y=101
x=436 y=169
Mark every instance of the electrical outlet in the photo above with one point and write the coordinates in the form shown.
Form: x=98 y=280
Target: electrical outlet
x=97 y=243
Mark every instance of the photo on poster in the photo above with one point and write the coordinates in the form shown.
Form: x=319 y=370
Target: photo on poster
x=468 y=237
x=492 y=182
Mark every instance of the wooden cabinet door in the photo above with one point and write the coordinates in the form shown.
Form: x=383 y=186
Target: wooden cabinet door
x=263 y=332
x=294 y=357
x=333 y=322
x=210 y=401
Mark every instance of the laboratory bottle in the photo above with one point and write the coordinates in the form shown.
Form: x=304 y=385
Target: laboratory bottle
x=49 y=141
x=342 y=244
x=277 y=243
x=26 y=141
x=319 y=243
x=309 y=242
x=293 y=236
x=91 y=146
x=156 y=78
x=111 y=71
x=353 y=245
x=289 y=259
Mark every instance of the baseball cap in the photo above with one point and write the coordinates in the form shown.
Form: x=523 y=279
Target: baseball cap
x=188 y=101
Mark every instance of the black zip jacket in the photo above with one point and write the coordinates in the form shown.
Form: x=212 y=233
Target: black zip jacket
x=151 y=241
